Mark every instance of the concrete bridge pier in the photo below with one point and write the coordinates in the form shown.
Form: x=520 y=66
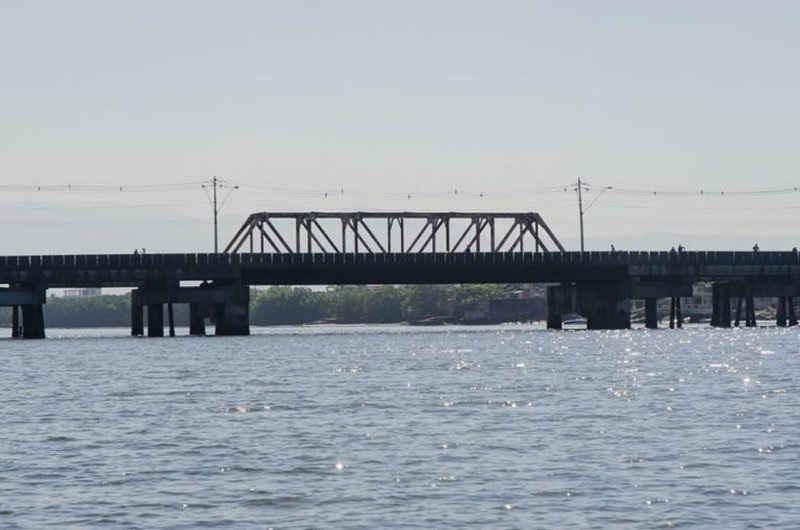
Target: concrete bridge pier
x=27 y=310
x=33 y=321
x=780 y=313
x=16 y=329
x=786 y=315
x=171 y=320
x=232 y=316
x=739 y=301
x=560 y=301
x=197 y=320
x=749 y=311
x=605 y=304
x=228 y=305
x=782 y=290
x=721 y=305
x=155 y=320
x=675 y=315
x=152 y=297
x=137 y=318
x=137 y=314
x=743 y=292
x=651 y=313
x=651 y=291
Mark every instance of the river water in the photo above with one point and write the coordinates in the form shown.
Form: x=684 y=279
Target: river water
x=400 y=427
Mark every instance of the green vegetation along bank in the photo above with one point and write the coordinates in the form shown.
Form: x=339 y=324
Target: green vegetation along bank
x=296 y=305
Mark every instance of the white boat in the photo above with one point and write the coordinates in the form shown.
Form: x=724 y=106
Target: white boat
x=573 y=321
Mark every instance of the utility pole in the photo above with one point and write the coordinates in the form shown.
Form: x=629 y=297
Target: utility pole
x=581 y=210
x=215 y=206
x=216 y=212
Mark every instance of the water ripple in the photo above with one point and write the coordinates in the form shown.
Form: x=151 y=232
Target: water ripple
x=370 y=427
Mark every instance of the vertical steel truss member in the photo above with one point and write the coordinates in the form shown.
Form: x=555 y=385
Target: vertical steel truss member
x=404 y=232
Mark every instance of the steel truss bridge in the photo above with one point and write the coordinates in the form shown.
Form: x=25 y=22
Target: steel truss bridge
x=323 y=248
x=393 y=232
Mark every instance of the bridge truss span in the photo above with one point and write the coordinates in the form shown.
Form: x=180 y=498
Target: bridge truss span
x=390 y=232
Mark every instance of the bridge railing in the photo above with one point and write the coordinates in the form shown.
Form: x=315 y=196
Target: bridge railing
x=228 y=261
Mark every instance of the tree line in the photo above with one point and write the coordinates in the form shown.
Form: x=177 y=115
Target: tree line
x=293 y=305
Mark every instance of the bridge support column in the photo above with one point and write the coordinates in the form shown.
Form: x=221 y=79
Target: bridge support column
x=229 y=303
x=32 y=321
x=675 y=316
x=560 y=301
x=171 y=319
x=155 y=320
x=780 y=315
x=232 y=317
x=721 y=305
x=749 y=311
x=606 y=305
x=137 y=315
x=651 y=313
x=786 y=315
x=16 y=329
x=739 y=300
x=197 y=324
x=27 y=309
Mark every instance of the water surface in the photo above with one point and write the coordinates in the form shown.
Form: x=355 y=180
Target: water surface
x=399 y=427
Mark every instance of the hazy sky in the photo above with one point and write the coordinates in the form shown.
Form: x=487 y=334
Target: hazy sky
x=396 y=105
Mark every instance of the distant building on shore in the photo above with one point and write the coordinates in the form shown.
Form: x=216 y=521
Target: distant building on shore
x=83 y=292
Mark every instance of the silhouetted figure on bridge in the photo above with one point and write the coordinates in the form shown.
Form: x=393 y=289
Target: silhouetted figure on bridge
x=755 y=248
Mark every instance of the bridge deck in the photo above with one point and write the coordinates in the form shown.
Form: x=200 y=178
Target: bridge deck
x=389 y=268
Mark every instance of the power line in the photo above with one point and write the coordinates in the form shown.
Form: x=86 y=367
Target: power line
x=101 y=188
x=384 y=194
x=696 y=192
x=104 y=206
x=409 y=194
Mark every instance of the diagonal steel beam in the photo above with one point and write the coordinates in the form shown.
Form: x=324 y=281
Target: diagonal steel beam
x=267 y=238
x=541 y=223
x=278 y=235
x=419 y=236
x=326 y=236
x=247 y=227
x=375 y=239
